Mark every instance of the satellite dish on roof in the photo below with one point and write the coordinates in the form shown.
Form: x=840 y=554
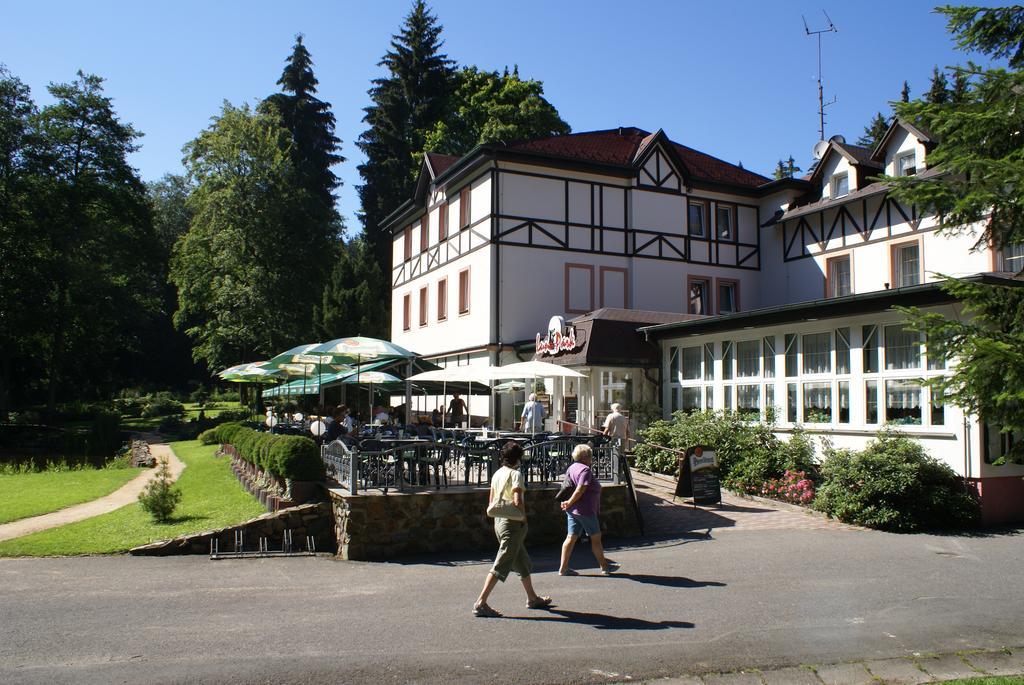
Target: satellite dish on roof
x=819 y=149
x=837 y=139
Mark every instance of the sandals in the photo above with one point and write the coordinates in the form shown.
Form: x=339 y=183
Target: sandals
x=568 y=572
x=485 y=611
x=539 y=603
x=611 y=568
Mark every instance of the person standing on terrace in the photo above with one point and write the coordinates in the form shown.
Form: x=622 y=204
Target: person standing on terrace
x=533 y=415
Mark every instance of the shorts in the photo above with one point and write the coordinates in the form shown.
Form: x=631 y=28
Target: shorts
x=579 y=524
x=512 y=554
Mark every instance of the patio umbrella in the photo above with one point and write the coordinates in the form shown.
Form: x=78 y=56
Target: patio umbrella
x=360 y=349
x=470 y=374
x=370 y=378
x=304 y=360
x=535 y=369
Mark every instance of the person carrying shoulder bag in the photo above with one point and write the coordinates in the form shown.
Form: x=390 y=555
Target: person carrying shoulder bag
x=507 y=505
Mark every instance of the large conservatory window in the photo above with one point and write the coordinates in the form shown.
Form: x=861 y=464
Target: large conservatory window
x=691 y=399
x=818 y=402
x=903 y=402
x=817 y=350
x=709 y=397
x=791 y=405
x=673 y=364
x=844 y=401
x=748 y=399
x=871 y=402
x=938 y=415
x=709 y=361
x=902 y=348
x=842 y=350
x=870 y=347
x=769 y=356
x=727 y=357
x=791 y=358
x=748 y=359
x=691 y=363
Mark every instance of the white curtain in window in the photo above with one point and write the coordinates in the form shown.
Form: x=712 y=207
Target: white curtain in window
x=747 y=397
x=691 y=363
x=748 y=358
x=817 y=395
x=902 y=348
x=902 y=395
x=817 y=349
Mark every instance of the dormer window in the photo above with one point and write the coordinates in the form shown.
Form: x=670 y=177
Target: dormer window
x=906 y=164
x=840 y=185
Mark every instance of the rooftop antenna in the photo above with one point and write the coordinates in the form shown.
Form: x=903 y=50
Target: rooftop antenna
x=821 y=96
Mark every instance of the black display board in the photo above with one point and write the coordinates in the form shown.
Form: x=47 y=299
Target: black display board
x=698 y=476
x=572 y=405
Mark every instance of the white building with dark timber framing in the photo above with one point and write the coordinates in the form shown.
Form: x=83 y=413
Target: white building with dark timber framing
x=693 y=283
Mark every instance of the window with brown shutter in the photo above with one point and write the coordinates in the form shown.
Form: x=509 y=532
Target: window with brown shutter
x=423 y=306
x=425 y=232
x=464 y=292
x=442 y=299
x=464 y=213
x=406 y=305
x=408 y=243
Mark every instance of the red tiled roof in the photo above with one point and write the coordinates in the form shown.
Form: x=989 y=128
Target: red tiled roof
x=619 y=146
x=440 y=163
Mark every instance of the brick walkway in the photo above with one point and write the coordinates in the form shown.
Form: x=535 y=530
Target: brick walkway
x=663 y=516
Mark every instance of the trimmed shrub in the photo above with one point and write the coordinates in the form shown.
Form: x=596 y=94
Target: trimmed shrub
x=226 y=432
x=297 y=458
x=893 y=484
x=210 y=436
x=162 y=404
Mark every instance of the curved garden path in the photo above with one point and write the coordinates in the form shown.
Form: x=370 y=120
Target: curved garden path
x=126 y=494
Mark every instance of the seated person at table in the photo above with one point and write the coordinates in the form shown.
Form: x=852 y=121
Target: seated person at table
x=346 y=438
x=334 y=425
x=435 y=417
x=398 y=415
x=381 y=416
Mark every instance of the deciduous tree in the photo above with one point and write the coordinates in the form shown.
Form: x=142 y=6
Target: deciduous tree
x=241 y=274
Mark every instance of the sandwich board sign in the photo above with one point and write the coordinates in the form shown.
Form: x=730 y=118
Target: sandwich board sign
x=698 y=476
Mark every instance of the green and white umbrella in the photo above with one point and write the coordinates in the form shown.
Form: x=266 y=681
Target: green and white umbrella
x=372 y=378
x=253 y=372
x=359 y=349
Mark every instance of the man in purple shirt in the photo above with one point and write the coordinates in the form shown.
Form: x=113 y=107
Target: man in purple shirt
x=581 y=512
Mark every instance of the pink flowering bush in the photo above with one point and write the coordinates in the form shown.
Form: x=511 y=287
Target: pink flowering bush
x=794 y=487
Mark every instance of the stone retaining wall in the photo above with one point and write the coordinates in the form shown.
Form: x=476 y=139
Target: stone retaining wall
x=374 y=526
x=303 y=520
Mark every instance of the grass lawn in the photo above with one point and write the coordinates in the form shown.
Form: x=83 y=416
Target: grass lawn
x=30 y=494
x=212 y=498
x=192 y=409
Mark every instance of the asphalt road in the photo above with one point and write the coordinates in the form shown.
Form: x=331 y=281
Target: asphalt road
x=742 y=599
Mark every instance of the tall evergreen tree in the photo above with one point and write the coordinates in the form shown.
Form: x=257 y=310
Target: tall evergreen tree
x=351 y=303
x=983 y=185
x=786 y=169
x=905 y=92
x=407 y=102
x=310 y=120
x=961 y=85
x=874 y=131
x=938 y=92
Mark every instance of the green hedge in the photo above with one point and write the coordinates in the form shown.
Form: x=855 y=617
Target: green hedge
x=287 y=456
x=893 y=484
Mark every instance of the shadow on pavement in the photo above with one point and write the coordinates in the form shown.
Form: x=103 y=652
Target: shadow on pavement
x=602 y=621
x=667 y=581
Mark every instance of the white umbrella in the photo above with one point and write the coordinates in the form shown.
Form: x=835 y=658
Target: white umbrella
x=461 y=374
x=535 y=369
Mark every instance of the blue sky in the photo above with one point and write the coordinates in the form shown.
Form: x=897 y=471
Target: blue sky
x=733 y=79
